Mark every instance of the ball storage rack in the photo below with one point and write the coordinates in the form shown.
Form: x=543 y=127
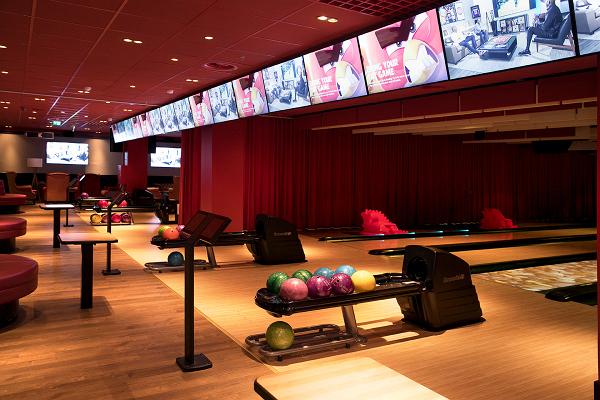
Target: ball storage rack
x=327 y=336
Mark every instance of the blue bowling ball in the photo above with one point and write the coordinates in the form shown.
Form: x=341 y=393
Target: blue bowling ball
x=324 y=271
x=175 y=259
x=345 y=269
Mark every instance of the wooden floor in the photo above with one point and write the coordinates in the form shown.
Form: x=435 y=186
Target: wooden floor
x=529 y=347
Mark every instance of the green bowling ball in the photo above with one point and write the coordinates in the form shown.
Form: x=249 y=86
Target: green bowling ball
x=275 y=280
x=280 y=335
x=302 y=274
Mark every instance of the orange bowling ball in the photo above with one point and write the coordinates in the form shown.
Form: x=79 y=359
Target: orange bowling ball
x=170 y=234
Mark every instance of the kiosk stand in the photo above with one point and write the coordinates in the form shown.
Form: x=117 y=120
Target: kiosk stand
x=205 y=228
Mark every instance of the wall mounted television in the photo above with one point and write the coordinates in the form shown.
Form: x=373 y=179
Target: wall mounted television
x=222 y=101
x=201 y=109
x=250 y=95
x=166 y=157
x=67 y=153
x=286 y=85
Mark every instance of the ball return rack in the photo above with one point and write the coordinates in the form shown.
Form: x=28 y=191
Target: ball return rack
x=434 y=291
x=205 y=228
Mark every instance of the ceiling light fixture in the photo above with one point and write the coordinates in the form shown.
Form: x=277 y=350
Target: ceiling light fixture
x=208 y=37
x=175 y=59
x=80 y=91
x=132 y=86
x=5 y=72
x=195 y=80
x=6 y=108
x=34 y=112
x=322 y=18
x=31 y=117
x=2 y=46
x=127 y=40
x=62 y=112
x=332 y=20
x=137 y=42
x=8 y=126
x=85 y=116
x=102 y=121
x=107 y=102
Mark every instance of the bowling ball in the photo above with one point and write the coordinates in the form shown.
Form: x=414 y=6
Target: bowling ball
x=104 y=218
x=126 y=218
x=280 y=335
x=123 y=203
x=103 y=203
x=341 y=284
x=162 y=229
x=302 y=274
x=293 y=289
x=363 y=281
x=84 y=195
x=345 y=269
x=96 y=219
x=170 y=234
x=324 y=271
x=318 y=286
x=116 y=218
x=275 y=280
x=180 y=227
x=175 y=259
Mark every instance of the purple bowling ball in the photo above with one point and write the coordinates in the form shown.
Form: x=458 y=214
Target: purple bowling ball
x=318 y=286
x=341 y=284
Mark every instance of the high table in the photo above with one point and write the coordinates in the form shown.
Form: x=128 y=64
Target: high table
x=349 y=379
x=57 y=208
x=87 y=240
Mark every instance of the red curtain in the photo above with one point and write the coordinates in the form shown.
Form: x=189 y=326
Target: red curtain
x=326 y=178
x=134 y=175
x=190 y=176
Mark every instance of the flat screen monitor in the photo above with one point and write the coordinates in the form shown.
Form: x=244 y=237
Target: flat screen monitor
x=144 y=123
x=335 y=72
x=137 y=128
x=156 y=121
x=67 y=153
x=498 y=41
x=250 y=95
x=403 y=54
x=223 y=103
x=117 y=137
x=169 y=118
x=587 y=16
x=201 y=109
x=183 y=114
x=166 y=157
x=286 y=85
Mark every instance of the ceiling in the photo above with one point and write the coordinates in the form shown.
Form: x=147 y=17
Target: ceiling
x=66 y=60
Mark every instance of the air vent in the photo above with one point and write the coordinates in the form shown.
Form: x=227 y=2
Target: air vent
x=385 y=8
x=220 y=66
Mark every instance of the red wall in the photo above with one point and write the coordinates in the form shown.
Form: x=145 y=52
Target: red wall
x=134 y=175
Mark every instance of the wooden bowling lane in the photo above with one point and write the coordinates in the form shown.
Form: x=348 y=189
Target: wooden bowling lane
x=432 y=241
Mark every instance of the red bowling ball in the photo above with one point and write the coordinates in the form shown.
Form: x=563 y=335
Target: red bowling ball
x=318 y=286
x=125 y=218
x=84 y=195
x=293 y=289
x=171 y=234
x=116 y=218
x=342 y=284
x=104 y=219
x=123 y=203
x=103 y=203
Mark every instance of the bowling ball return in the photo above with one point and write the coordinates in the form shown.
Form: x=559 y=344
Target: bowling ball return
x=434 y=291
x=275 y=241
x=142 y=201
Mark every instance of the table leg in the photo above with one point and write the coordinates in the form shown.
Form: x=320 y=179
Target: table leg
x=66 y=225
x=87 y=274
x=56 y=242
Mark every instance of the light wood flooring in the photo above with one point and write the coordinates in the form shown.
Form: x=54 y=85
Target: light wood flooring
x=529 y=347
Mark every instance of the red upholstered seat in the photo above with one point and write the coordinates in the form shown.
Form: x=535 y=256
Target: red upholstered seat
x=11 y=227
x=18 y=277
x=11 y=199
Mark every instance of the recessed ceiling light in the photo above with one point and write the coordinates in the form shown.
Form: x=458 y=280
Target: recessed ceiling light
x=208 y=37
x=2 y=46
x=322 y=18
x=6 y=108
x=87 y=129
x=195 y=80
x=34 y=112
x=332 y=20
x=137 y=41
x=132 y=86
x=85 y=116
x=127 y=40
x=107 y=102
x=62 y=112
x=98 y=132
x=31 y=117
x=188 y=80
x=85 y=91
x=80 y=91
x=5 y=72
x=7 y=126
x=174 y=59
x=102 y=121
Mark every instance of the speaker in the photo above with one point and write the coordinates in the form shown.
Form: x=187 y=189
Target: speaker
x=449 y=297
x=278 y=242
x=151 y=144
x=115 y=147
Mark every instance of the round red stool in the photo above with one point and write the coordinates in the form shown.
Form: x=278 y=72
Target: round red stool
x=10 y=202
x=10 y=228
x=18 y=278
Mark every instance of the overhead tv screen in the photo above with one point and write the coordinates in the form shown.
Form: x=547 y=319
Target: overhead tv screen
x=476 y=46
x=250 y=95
x=183 y=113
x=405 y=53
x=335 y=72
x=222 y=101
x=587 y=18
x=169 y=118
x=116 y=132
x=286 y=85
x=137 y=127
x=144 y=123
x=67 y=153
x=166 y=157
x=156 y=122
x=201 y=110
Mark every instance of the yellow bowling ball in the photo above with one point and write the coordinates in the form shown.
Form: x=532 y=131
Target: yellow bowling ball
x=363 y=281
